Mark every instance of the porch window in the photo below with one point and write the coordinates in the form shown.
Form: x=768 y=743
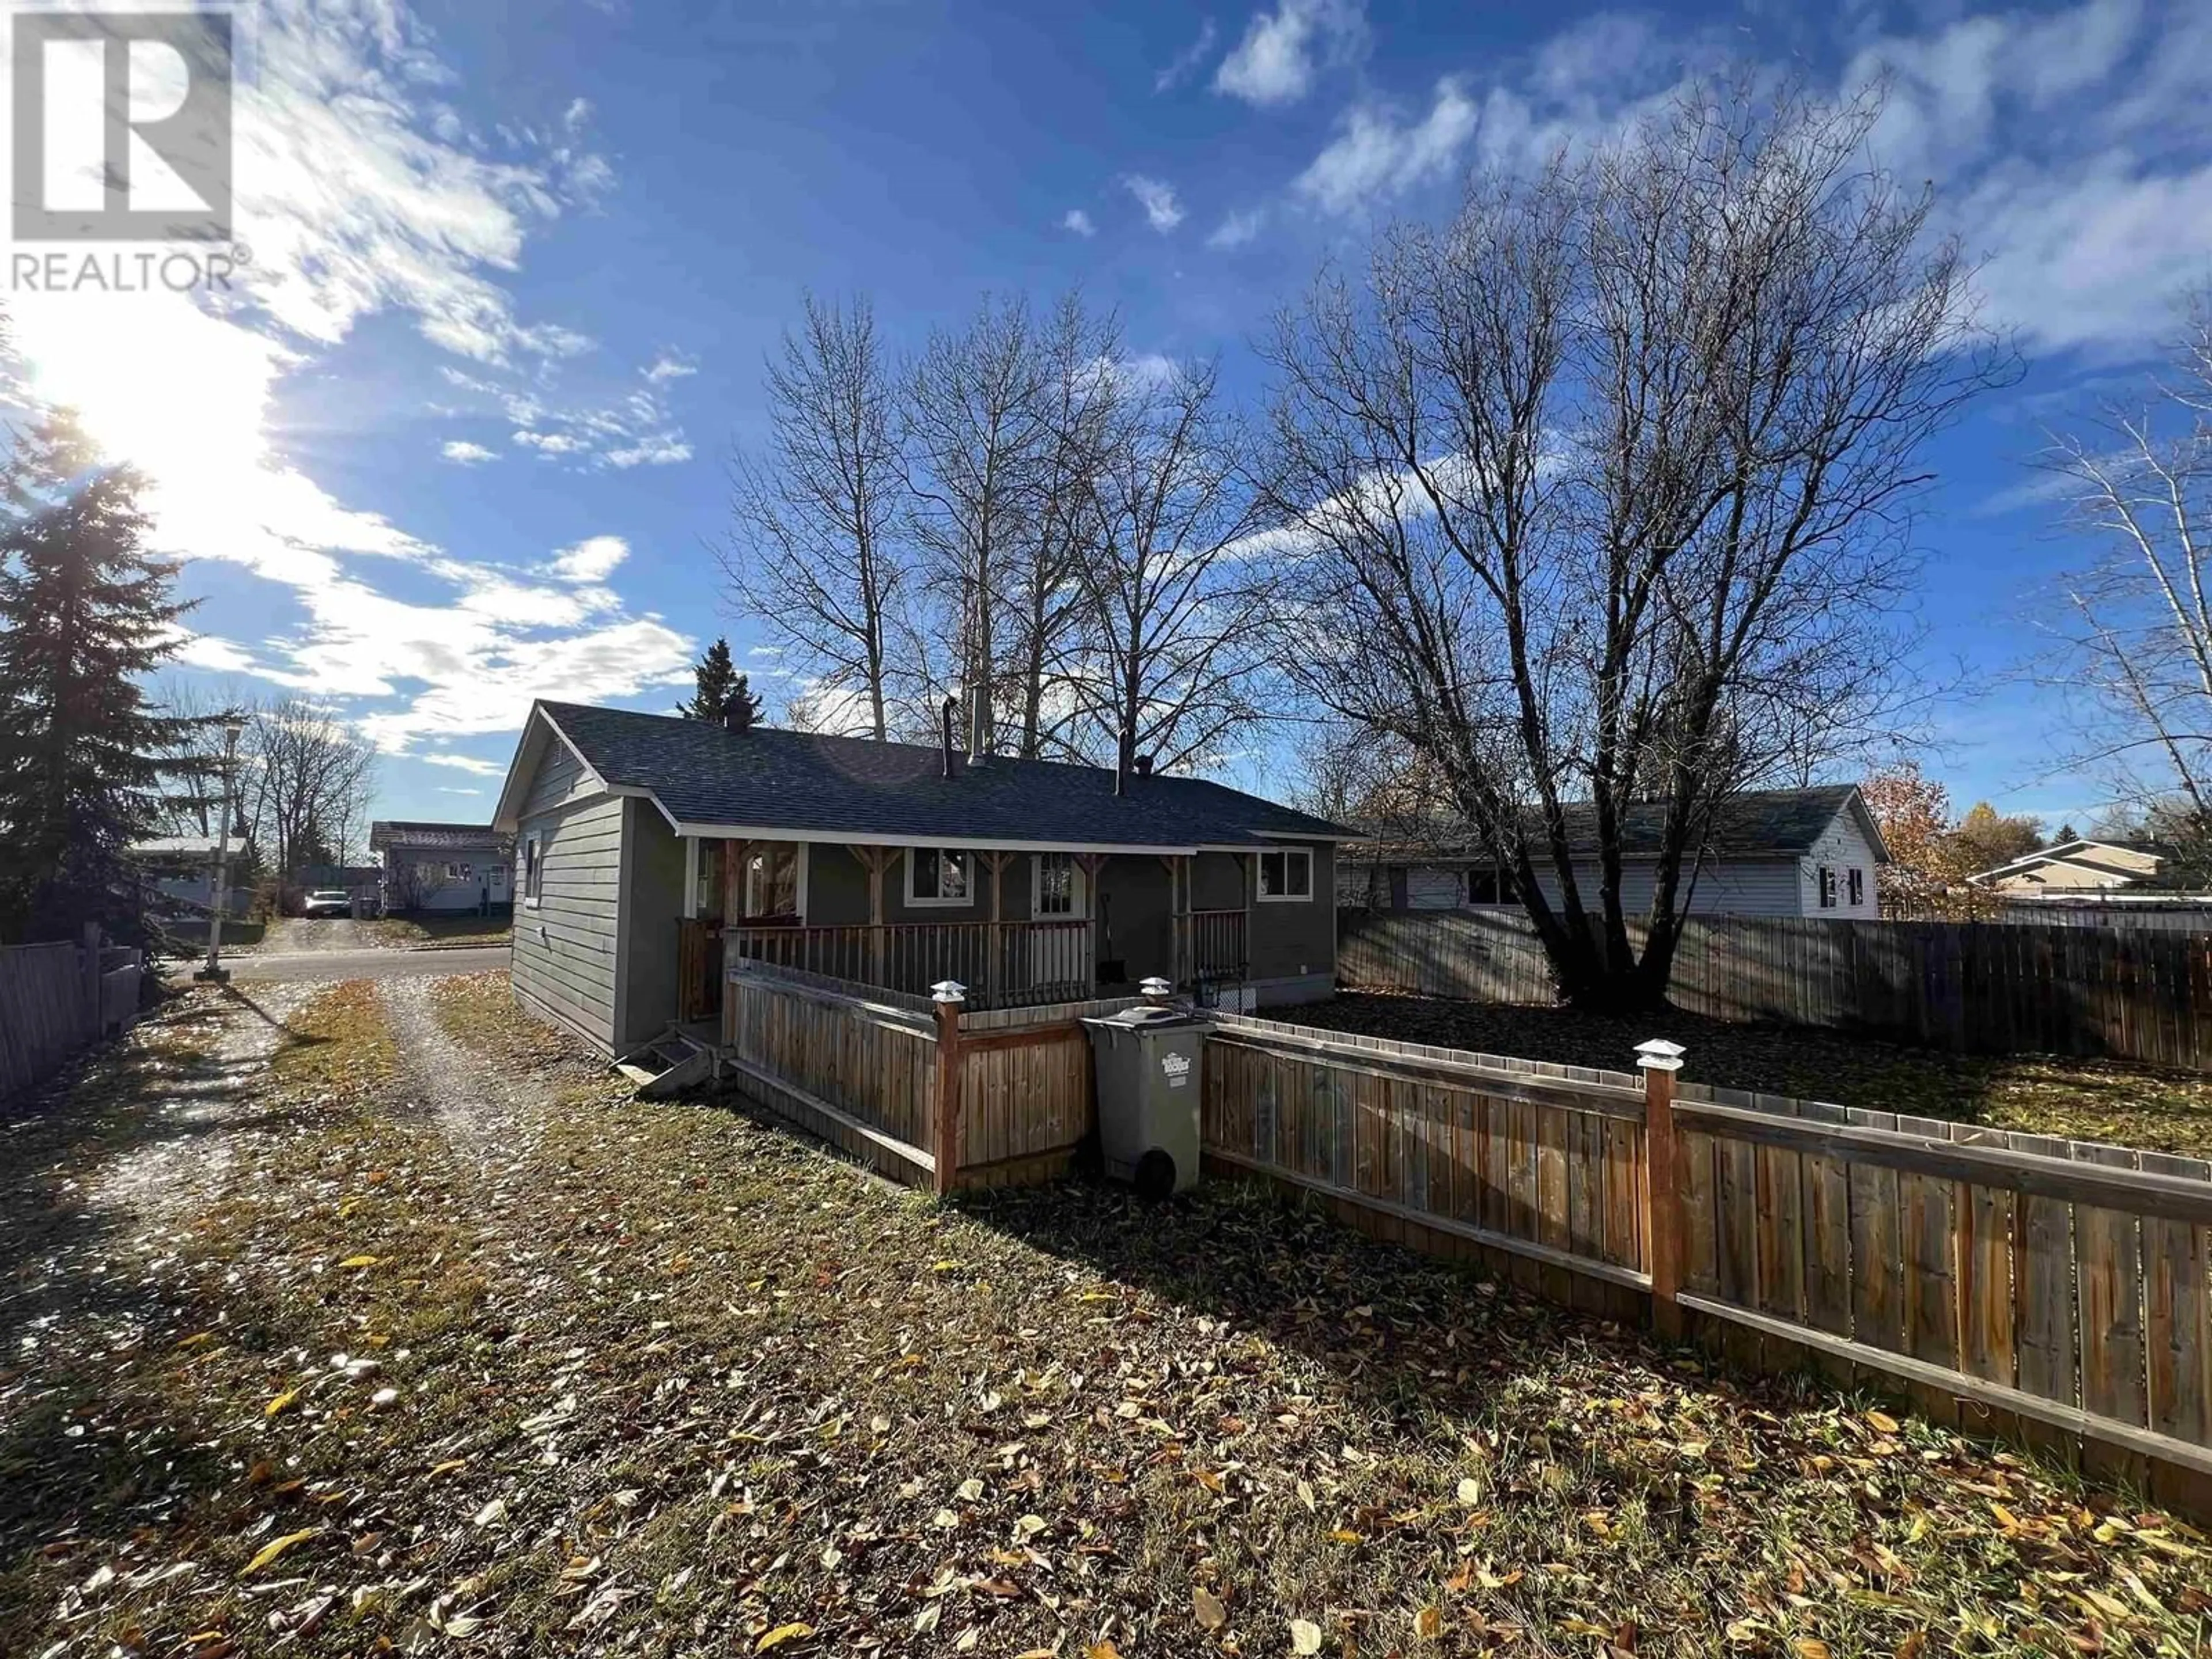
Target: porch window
x=1054 y=892
x=772 y=882
x=939 y=875
x=533 y=872
x=1286 y=873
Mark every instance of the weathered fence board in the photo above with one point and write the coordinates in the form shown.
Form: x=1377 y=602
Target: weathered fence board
x=2008 y=1283
x=56 y=1001
x=1971 y=988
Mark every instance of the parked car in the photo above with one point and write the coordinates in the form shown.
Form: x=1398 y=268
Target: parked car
x=327 y=902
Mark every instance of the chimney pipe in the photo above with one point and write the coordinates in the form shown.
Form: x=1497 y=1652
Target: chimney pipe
x=1143 y=764
x=1124 y=747
x=944 y=724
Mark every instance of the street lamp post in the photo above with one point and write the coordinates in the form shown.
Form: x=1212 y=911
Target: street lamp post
x=218 y=884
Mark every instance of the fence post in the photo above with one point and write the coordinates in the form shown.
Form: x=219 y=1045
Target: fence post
x=1659 y=1060
x=949 y=995
x=90 y=964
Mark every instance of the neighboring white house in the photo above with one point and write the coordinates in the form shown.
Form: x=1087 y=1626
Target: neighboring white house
x=443 y=866
x=179 y=869
x=1773 y=853
x=2074 y=868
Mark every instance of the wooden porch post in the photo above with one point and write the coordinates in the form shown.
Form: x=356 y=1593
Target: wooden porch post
x=876 y=860
x=1659 y=1060
x=1090 y=864
x=1251 y=863
x=994 y=936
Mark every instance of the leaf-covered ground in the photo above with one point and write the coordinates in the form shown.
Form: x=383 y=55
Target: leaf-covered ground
x=373 y=1320
x=2135 y=1105
x=456 y=930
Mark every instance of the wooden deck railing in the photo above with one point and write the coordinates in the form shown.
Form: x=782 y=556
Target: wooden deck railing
x=1002 y=963
x=1214 y=946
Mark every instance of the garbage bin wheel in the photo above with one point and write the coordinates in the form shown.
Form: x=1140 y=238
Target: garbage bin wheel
x=1155 y=1175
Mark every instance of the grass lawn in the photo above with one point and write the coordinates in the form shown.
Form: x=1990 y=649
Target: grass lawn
x=2042 y=1094
x=495 y=929
x=439 y=1349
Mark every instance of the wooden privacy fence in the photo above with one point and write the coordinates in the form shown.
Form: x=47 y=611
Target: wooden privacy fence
x=2006 y=1283
x=1970 y=987
x=56 y=999
x=936 y=1094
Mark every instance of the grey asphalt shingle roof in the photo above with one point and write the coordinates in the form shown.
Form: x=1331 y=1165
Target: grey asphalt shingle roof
x=769 y=779
x=446 y=837
x=1771 y=820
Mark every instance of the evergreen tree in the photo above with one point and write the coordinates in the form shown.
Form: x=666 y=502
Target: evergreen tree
x=84 y=612
x=722 y=691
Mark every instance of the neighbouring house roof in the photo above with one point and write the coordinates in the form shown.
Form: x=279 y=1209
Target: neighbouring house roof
x=2128 y=862
x=170 y=848
x=440 y=837
x=793 y=784
x=1757 y=824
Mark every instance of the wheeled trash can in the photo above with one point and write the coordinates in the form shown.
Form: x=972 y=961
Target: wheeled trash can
x=1146 y=1061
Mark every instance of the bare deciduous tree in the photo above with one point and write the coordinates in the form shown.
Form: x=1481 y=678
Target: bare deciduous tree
x=1598 y=493
x=2138 y=640
x=974 y=436
x=304 y=784
x=1174 y=592
x=812 y=555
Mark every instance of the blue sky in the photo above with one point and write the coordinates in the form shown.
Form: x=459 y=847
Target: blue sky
x=460 y=438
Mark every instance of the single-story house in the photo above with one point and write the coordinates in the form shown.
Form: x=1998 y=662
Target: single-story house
x=178 y=871
x=450 y=867
x=651 y=847
x=2075 y=868
x=1773 y=853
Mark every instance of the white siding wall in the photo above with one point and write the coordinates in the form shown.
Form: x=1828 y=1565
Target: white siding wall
x=1736 y=887
x=1434 y=890
x=1842 y=847
x=564 y=962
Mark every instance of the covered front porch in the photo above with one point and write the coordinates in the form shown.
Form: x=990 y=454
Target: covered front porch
x=1017 y=925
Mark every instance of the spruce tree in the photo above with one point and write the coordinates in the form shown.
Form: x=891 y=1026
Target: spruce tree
x=722 y=692
x=85 y=611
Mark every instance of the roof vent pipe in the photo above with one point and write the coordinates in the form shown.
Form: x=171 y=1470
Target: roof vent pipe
x=1143 y=764
x=944 y=724
x=1124 y=747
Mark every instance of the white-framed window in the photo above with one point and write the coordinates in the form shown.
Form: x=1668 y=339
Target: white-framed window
x=1827 y=877
x=1485 y=885
x=1057 y=887
x=533 y=871
x=939 y=875
x=1286 y=874
x=774 y=883
x=1856 y=885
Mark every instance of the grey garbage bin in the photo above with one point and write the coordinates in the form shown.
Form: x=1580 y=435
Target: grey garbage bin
x=1147 y=1064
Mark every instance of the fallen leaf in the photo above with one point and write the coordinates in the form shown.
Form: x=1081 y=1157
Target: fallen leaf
x=1206 y=1606
x=275 y=1547
x=1429 y=1623
x=1305 y=1636
x=283 y=1402
x=356 y=1263
x=783 y=1633
x=1883 y=1421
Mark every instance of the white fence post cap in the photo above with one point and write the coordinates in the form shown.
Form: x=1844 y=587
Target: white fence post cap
x=948 y=990
x=1155 y=986
x=1659 y=1056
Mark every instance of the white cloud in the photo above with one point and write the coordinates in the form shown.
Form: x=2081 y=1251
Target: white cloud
x=1157 y=197
x=358 y=196
x=1283 y=51
x=1237 y=228
x=464 y=454
x=448 y=789
x=1188 y=59
x=592 y=560
x=550 y=443
x=1377 y=155
x=1077 y=220
x=482 y=769
x=669 y=366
